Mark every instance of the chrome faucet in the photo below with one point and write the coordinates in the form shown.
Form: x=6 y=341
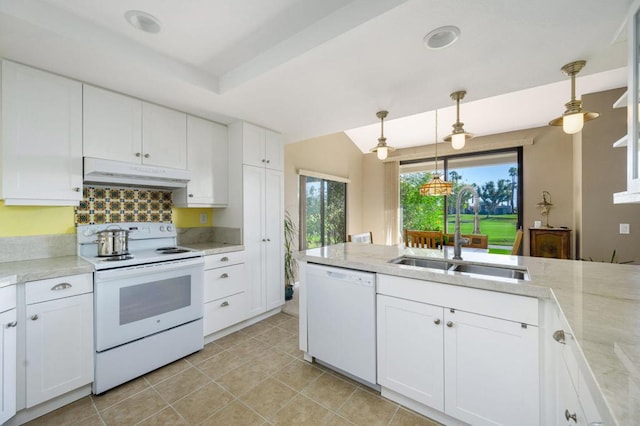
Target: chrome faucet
x=458 y=241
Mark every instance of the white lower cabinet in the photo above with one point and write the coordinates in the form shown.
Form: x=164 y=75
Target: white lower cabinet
x=472 y=367
x=8 y=348
x=59 y=336
x=225 y=298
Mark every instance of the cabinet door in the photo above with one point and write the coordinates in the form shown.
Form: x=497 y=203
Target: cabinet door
x=274 y=151
x=164 y=137
x=253 y=149
x=220 y=165
x=274 y=234
x=112 y=125
x=7 y=365
x=410 y=349
x=491 y=370
x=200 y=154
x=567 y=401
x=59 y=337
x=253 y=237
x=41 y=137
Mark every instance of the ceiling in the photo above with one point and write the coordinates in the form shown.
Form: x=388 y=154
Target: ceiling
x=309 y=68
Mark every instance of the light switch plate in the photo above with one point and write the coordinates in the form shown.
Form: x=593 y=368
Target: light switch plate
x=624 y=228
x=203 y=219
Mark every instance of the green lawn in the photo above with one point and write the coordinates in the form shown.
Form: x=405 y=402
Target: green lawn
x=501 y=229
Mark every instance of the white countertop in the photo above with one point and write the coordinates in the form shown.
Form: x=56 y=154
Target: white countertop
x=600 y=301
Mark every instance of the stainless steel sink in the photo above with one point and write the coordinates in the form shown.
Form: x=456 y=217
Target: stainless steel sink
x=494 y=271
x=463 y=267
x=422 y=262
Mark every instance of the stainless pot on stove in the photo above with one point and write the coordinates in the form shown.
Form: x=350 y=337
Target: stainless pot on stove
x=113 y=242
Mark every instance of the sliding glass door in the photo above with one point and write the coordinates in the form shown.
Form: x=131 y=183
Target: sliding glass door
x=323 y=212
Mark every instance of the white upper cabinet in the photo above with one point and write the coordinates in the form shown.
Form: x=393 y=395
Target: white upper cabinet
x=262 y=147
x=207 y=160
x=41 y=137
x=120 y=128
x=112 y=125
x=632 y=194
x=164 y=137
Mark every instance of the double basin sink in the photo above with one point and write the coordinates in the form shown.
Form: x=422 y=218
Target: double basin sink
x=464 y=267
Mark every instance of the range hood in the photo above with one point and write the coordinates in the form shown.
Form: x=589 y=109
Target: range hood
x=97 y=170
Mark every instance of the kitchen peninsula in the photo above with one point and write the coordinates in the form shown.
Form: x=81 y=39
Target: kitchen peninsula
x=590 y=310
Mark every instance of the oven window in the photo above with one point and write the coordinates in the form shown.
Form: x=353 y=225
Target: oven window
x=155 y=298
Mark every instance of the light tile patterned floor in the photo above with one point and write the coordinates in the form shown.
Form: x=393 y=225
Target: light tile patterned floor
x=253 y=377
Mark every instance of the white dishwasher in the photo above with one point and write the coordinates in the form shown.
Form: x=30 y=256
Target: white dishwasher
x=341 y=319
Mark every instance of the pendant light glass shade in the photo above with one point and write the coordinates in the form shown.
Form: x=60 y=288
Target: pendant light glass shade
x=574 y=116
x=382 y=150
x=458 y=137
x=436 y=186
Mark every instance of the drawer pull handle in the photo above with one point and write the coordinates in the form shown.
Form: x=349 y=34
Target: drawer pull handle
x=569 y=416
x=61 y=286
x=12 y=324
x=34 y=317
x=436 y=321
x=76 y=189
x=449 y=324
x=559 y=337
x=224 y=304
x=224 y=259
x=225 y=275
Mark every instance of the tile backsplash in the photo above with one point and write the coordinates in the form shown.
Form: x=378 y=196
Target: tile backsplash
x=113 y=205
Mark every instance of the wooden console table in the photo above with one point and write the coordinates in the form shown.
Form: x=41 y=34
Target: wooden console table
x=550 y=242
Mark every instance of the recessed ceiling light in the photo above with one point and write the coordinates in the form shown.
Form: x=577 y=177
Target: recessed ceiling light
x=441 y=37
x=143 y=21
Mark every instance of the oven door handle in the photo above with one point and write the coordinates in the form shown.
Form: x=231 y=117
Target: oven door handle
x=132 y=271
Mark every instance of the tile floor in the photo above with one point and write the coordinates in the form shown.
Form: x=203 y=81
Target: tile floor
x=255 y=376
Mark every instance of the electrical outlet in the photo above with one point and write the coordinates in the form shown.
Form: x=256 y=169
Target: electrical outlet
x=624 y=228
x=203 y=218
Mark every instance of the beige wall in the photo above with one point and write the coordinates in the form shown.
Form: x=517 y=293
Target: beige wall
x=604 y=172
x=334 y=155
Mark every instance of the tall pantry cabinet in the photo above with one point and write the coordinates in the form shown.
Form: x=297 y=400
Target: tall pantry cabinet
x=256 y=171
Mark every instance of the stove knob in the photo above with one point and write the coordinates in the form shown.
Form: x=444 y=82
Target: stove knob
x=169 y=228
x=162 y=229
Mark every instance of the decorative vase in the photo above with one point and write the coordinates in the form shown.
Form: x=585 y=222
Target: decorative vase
x=288 y=292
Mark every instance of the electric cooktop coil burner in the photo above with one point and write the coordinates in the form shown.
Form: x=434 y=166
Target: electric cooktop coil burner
x=172 y=250
x=117 y=258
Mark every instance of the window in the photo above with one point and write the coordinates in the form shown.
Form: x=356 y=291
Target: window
x=496 y=176
x=323 y=212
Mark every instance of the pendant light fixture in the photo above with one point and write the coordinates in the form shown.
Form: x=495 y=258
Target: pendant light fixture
x=382 y=149
x=574 y=116
x=436 y=186
x=458 y=137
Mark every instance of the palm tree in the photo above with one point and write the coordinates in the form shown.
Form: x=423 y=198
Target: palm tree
x=513 y=172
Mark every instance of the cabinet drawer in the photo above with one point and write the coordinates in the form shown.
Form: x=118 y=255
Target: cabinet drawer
x=224 y=312
x=223 y=259
x=491 y=303
x=223 y=282
x=7 y=298
x=57 y=288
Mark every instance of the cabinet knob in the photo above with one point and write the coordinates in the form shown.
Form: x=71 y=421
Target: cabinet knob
x=559 y=337
x=147 y=156
x=225 y=275
x=268 y=239
x=224 y=259
x=436 y=321
x=449 y=324
x=34 y=317
x=138 y=154
x=76 y=189
x=224 y=304
x=264 y=240
x=12 y=324
x=569 y=416
x=264 y=161
x=268 y=161
x=190 y=195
